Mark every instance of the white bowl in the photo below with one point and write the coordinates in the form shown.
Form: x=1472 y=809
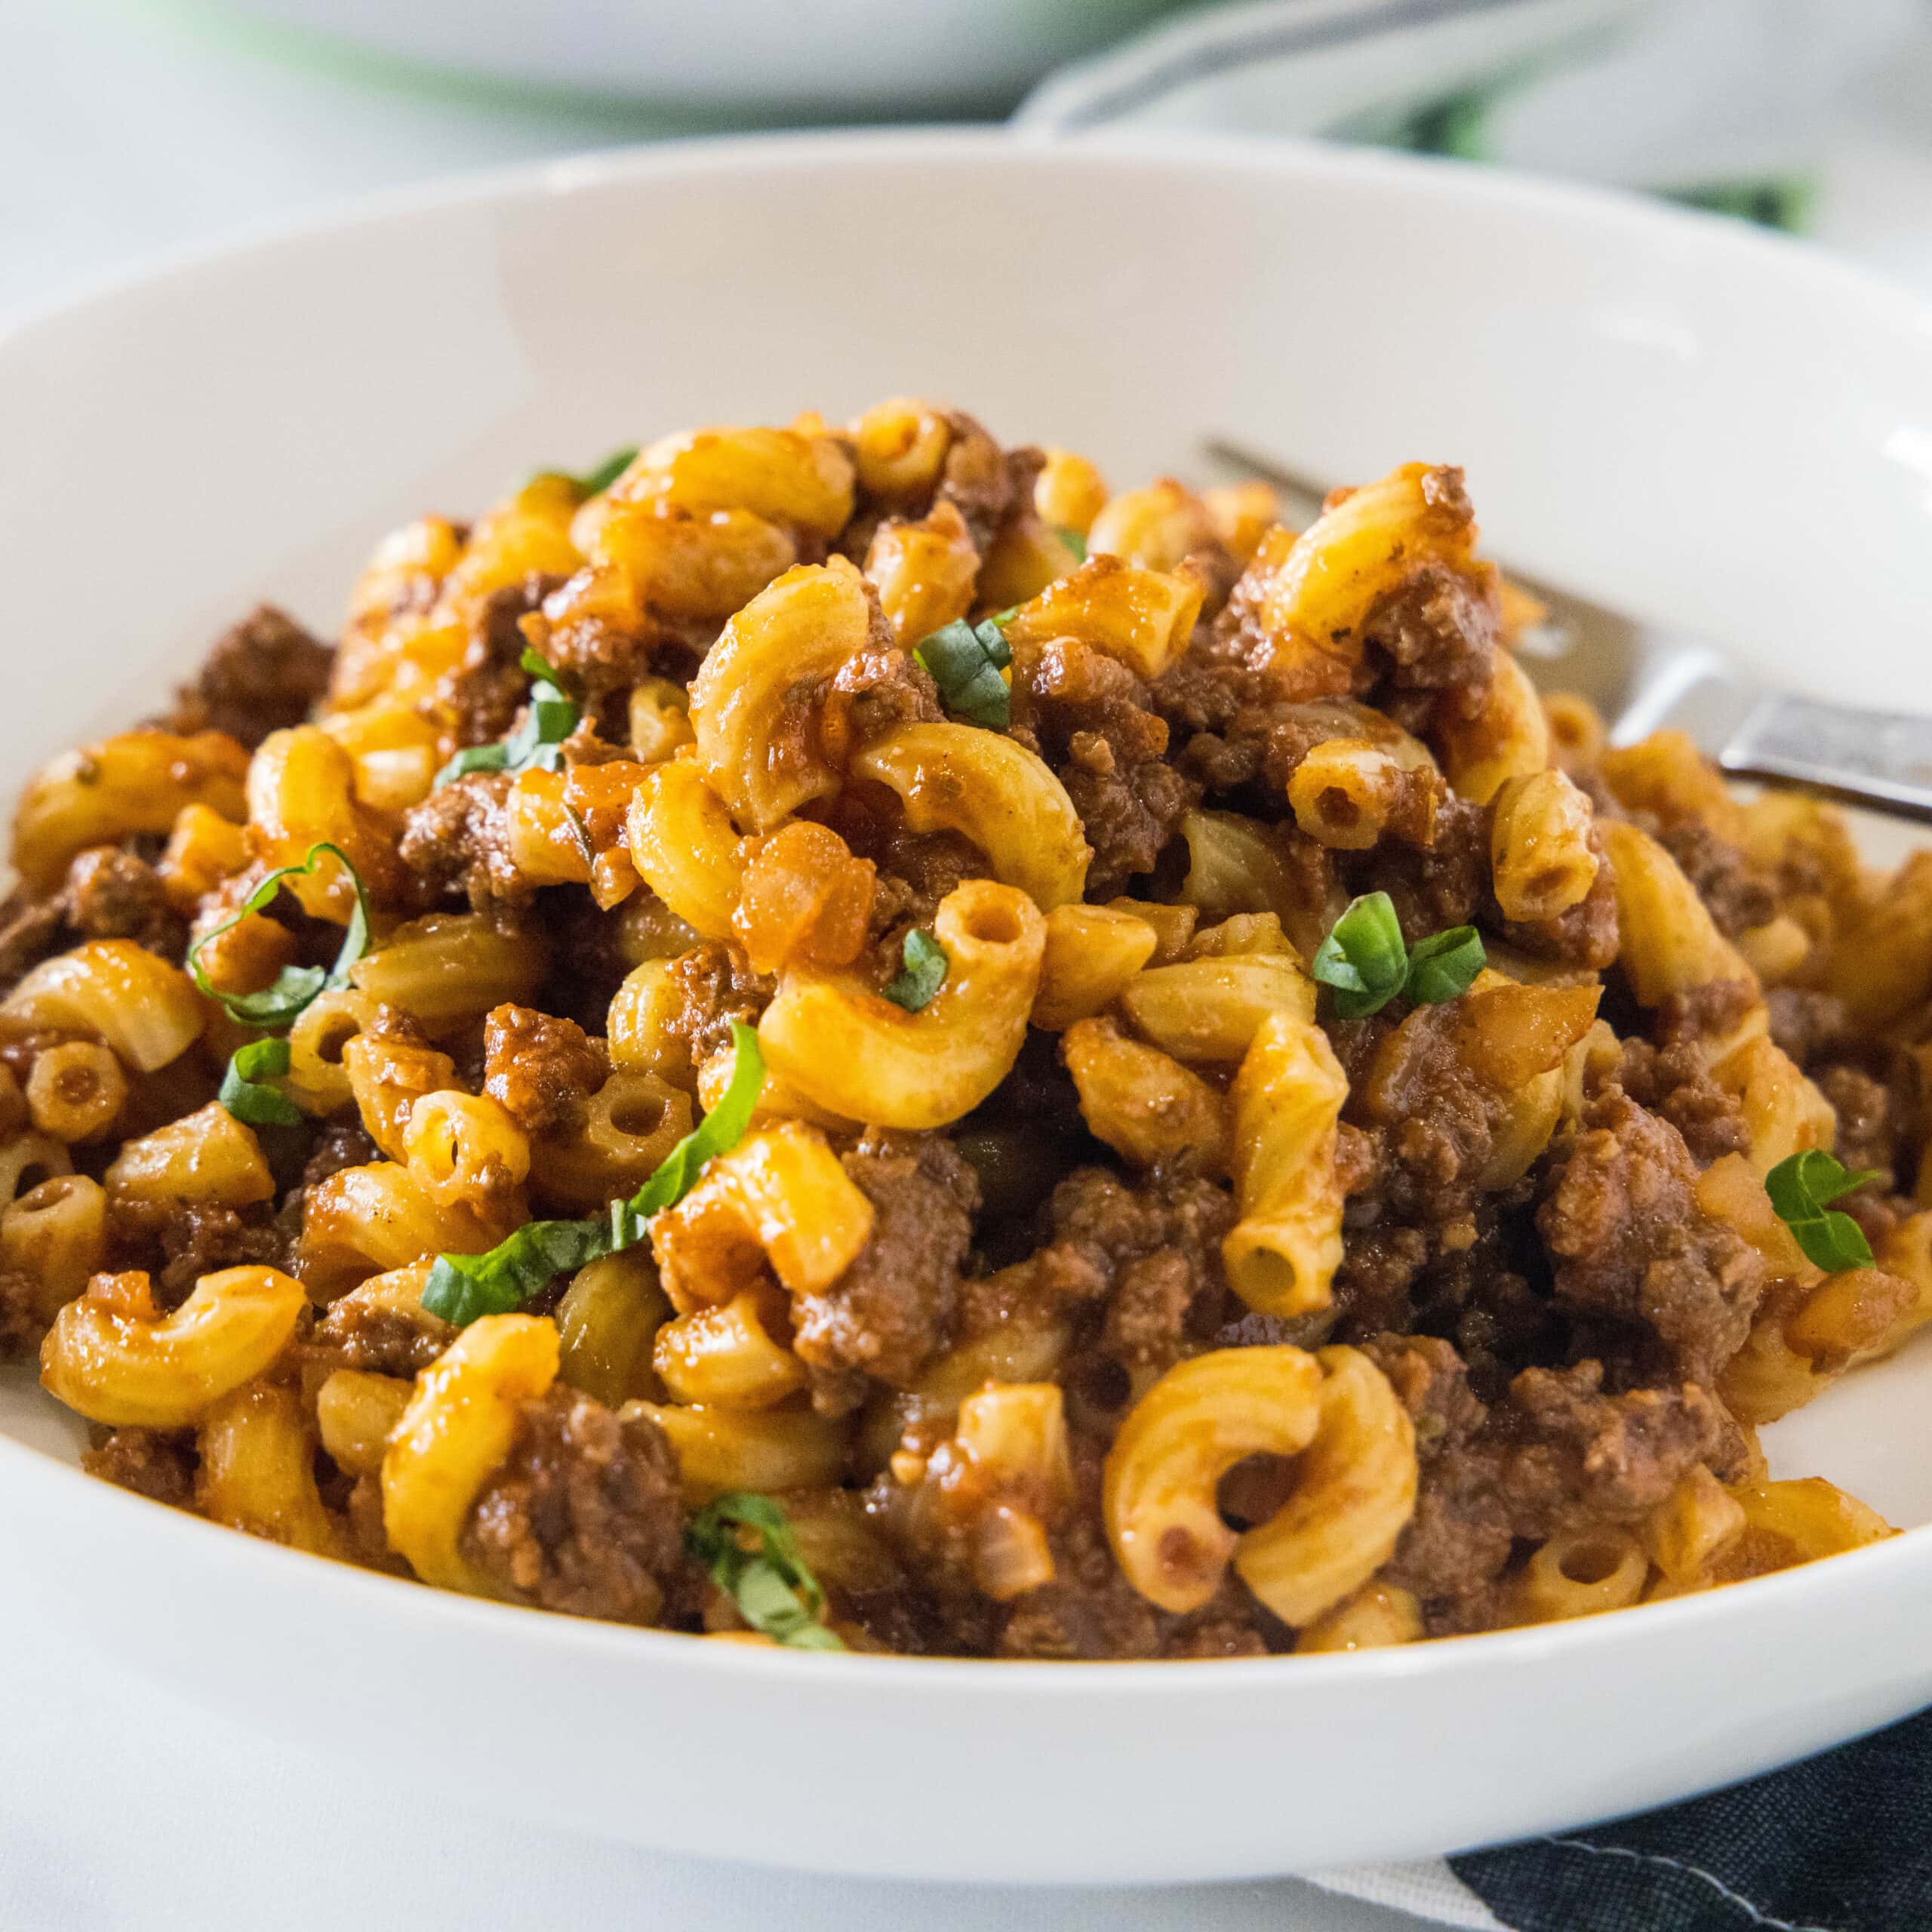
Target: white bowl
x=1704 y=424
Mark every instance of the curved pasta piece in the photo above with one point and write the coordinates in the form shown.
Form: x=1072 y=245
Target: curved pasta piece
x=784 y=475
x=1211 y=1008
x=1145 y=1105
x=991 y=790
x=862 y=1058
x=780 y=1199
x=1541 y=857
x=301 y=794
x=755 y=695
x=1146 y=618
x=1200 y=1418
x=725 y=1355
x=685 y=847
x=1093 y=952
x=1154 y=528
x=458 y=1429
x=209 y=1157
x=1508 y=738
x=116 y=1358
x=1307 y=599
x=1355 y=1492
x=1281 y=1253
x=768 y=1450
x=1667 y=941
x=137 y=781
x=147 y=1011
x=257 y=1473
x=1355 y=1483
x=375 y=1219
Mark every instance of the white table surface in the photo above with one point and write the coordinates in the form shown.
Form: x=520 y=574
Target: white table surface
x=130 y=131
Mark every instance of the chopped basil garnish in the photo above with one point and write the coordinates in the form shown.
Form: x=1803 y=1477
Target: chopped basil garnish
x=1075 y=540
x=537 y=744
x=965 y=661
x=295 y=987
x=594 y=482
x=747 y=1545
x=1442 y=967
x=248 y=1101
x=923 y=973
x=1802 y=1189
x=1364 y=963
x=462 y=1286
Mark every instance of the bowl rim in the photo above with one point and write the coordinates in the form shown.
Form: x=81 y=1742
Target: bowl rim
x=1446 y=177
x=1610 y=209
x=354 y=1588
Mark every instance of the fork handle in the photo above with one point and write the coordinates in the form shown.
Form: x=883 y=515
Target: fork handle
x=1865 y=758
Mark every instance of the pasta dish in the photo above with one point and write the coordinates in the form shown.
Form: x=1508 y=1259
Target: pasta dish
x=842 y=1037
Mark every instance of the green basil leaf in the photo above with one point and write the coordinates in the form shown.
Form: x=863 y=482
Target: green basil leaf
x=965 y=662
x=595 y=481
x=1833 y=1241
x=474 y=758
x=255 y=1104
x=1800 y=1188
x=1803 y=1185
x=1442 y=967
x=1363 y=961
x=295 y=987
x=462 y=1286
x=746 y=1544
x=923 y=973
x=719 y=1131
x=1075 y=540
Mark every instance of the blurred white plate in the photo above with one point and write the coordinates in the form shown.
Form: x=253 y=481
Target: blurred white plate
x=1695 y=421
x=876 y=57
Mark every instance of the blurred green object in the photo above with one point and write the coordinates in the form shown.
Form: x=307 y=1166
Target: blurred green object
x=1458 y=126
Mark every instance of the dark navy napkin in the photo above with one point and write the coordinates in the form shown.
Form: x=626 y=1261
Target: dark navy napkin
x=1841 y=1843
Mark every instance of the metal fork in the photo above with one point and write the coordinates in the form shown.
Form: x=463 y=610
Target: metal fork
x=1642 y=677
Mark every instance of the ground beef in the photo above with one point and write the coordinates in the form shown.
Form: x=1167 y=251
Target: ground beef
x=1738 y=893
x=1438 y=631
x=20 y=1325
x=108 y=894
x=1875 y=1125
x=583 y=1516
x=343 y=1143
x=1554 y=1452
x=31 y=929
x=1808 y=1025
x=177 y=1242
x=1632 y=1247
x=893 y=1309
x=1093 y=720
x=111 y=894
x=354 y=1332
x=978 y=479
x=1675 y=1082
x=879 y=689
x=483 y=696
x=157 y=1463
x=264 y=675
x=715 y=985
x=456 y=844
x=541 y=1068
x=1145 y=1258
x=1435 y=886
